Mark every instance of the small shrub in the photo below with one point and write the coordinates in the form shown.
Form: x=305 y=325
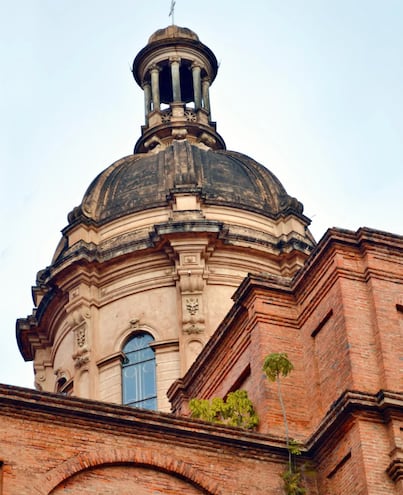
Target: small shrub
x=278 y=365
x=293 y=482
x=236 y=410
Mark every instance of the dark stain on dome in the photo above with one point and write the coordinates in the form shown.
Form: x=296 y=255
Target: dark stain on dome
x=140 y=182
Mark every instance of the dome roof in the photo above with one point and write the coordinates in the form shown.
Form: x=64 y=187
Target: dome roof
x=221 y=177
x=173 y=31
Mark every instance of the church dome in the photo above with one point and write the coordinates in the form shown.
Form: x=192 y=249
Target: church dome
x=220 y=177
x=161 y=240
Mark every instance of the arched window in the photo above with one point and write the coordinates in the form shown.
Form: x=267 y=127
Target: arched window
x=138 y=372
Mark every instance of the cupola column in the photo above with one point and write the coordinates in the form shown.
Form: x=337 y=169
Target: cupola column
x=155 y=86
x=176 y=84
x=175 y=71
x=147 y=98
x=206 y=94
x=196 y=70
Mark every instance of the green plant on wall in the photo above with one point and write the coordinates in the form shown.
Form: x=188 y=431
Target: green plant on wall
x=236 y=410
x=293 y=482
x=275 y=366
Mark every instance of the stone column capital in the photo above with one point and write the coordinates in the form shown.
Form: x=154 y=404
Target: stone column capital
x=155 y=68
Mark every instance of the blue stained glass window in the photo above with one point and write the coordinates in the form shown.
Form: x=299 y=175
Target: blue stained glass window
x=138 y=372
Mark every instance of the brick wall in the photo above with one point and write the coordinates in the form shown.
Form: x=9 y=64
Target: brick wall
x=340 y=321
x=53 y=444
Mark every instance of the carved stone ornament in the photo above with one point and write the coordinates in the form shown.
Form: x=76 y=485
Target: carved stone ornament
x=192 y=305
x=78 y=316
x=193 y=328
x=81 y=360
x=134 y=323
x=81 y=355
x=191 y=282
x=80 y=337
x=193 y=319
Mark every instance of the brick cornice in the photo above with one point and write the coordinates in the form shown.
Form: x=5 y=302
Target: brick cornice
x=362 y=240
x=351 y=401
x=83 y=413
x=395 y=469
x=322 y=268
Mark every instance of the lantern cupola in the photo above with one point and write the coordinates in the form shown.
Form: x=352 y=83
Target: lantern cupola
x=175 y=71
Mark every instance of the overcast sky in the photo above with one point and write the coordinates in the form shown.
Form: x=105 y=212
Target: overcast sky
x=310 y=88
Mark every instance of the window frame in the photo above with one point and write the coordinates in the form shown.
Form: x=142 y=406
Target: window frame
x=138 y=371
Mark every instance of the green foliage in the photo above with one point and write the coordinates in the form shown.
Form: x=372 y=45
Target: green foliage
x=207 y=410
x=239 y=410
x=236 y=410
x=294 y=447
x=295 y=475
x=293 y=482
x=277 y=364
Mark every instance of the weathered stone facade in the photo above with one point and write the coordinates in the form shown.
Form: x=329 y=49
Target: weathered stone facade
x=161 y=240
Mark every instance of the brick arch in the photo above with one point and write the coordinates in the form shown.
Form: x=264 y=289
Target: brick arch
x=84 y=461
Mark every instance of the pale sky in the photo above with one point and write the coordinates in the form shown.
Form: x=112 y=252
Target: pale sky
x=312 y=89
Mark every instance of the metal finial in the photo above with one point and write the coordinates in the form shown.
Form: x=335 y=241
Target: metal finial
x=172 y=11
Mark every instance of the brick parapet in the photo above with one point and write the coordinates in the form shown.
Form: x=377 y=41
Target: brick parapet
x=31 y=404
x=51 y=441
x=212 y=459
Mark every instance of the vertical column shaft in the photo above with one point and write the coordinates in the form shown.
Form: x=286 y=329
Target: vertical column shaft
x=147 y=98
x=206 y=94
x=155 y=87
x=176 y=83
x=196 y=85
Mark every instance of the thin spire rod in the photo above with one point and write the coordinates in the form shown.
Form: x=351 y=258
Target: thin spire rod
x=172 y=11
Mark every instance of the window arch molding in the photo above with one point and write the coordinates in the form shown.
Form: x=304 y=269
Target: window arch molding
x=126 y=333
x=139 y=371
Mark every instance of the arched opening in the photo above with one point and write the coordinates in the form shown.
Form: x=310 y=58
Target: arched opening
x=138 y=372
x=64 y=385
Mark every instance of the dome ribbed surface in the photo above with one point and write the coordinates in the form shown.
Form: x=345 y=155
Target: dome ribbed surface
x=139 y=182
